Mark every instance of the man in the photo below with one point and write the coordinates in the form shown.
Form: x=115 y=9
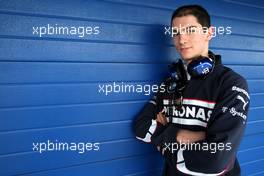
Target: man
x=199 y=131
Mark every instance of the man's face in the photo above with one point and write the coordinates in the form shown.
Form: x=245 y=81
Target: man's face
x=190 y=41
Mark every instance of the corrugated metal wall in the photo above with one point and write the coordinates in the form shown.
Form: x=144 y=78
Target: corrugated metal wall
x=49 y=85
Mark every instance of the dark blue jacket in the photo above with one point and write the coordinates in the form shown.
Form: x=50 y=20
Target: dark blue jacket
x=216 y=104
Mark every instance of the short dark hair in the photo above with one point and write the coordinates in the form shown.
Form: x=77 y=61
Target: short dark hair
x=198 y=11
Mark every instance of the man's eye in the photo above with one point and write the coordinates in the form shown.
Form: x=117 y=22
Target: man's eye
x=191 y=31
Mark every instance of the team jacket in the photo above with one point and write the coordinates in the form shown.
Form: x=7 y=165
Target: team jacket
x=216 y=104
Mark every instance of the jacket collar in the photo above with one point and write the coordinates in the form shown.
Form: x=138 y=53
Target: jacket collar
x=216 y=58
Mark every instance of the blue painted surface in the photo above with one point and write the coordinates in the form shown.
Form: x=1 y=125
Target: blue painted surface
x=49 y=85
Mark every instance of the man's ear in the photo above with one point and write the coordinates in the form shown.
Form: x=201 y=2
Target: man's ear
x=210 y=33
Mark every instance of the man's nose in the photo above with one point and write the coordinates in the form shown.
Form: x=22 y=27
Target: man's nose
x=182 y=39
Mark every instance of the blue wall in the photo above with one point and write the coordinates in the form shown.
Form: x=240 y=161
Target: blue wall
x=49 y=85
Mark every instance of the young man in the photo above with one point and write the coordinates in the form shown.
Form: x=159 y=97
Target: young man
x=199 y=132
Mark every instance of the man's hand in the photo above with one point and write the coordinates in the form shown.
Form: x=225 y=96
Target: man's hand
x=187 y=136
x=161 y=118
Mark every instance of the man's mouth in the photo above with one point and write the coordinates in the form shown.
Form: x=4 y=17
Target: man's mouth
x=184 y=49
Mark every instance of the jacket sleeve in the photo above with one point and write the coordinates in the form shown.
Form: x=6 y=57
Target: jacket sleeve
x=225 y=129
x=146 y=126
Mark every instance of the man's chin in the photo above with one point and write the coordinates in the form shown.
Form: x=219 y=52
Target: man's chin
x=188 y=59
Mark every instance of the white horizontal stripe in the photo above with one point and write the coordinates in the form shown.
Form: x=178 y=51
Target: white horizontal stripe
x=182 y=167
x=188 y=121
x=146 y=139
x=201 y=103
